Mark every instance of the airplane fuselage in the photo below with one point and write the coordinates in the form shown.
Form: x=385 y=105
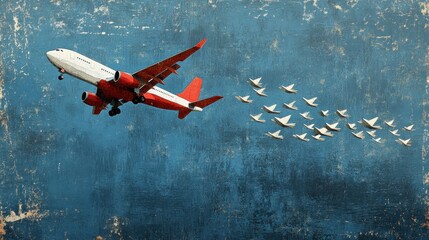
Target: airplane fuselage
x=99 y=75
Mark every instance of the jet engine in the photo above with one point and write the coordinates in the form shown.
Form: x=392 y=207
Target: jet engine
x=91 y=99
x=126 y=80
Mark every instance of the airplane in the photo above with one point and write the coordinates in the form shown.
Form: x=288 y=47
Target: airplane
x=117 y=87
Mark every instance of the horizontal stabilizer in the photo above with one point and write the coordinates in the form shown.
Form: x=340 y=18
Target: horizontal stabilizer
x=184 y=112
x=201 y=104
x=192 y=91
x=205 y=102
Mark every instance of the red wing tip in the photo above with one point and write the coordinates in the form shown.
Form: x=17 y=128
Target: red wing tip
x=201 y=43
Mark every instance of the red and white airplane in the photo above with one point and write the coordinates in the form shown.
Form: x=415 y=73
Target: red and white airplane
x=117 y=87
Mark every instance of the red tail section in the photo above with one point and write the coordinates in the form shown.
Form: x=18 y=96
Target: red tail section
x=205 y=102
x=192 y=91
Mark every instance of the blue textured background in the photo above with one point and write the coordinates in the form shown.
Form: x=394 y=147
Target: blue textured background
x=214 y=175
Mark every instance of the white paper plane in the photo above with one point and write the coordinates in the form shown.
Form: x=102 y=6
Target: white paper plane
x=270 y=109
x=406 y=143
x=289 y=89
x=378 y=140
x=390 y=123
x=359 y=135
x=257 y=118
x=244 y=99
x=370 y=123
x=323 y=131
x=332 y=127
x=371 y=133
x=351 y=126
x=395 y=132
x=324 y=113
x=290 y=105
x=342 y=113
x=409 y=128
x=310 y=102
x=311 y=126
x=275 y=135
x=306 y=115
x=256 y=82
x=284 y=121
x=318 y=137
x=301 y=137
x=260 y=92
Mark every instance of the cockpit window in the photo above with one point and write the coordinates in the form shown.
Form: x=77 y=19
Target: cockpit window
x=58 y=49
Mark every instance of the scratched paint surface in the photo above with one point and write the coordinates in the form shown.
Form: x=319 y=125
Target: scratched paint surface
x=66 y=174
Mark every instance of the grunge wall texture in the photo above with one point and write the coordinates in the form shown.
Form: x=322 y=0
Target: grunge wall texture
x=67 y=174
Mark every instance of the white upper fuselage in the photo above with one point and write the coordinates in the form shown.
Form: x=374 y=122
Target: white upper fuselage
x=92 y=72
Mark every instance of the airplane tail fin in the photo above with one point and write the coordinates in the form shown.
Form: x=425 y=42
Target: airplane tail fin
x=192 y=91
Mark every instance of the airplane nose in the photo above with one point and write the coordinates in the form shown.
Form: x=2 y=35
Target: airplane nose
x=49 y=55
x=53 y=57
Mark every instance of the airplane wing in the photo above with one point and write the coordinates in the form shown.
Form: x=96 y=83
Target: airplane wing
x=156 y=73
x=97 y=109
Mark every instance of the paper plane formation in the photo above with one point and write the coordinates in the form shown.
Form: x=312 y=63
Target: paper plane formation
x=317 y=131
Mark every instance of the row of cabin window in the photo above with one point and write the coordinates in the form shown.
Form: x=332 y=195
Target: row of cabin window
x=106 y=71
x=83 y=60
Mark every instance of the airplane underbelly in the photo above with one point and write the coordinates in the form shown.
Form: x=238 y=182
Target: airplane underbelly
x=159 y=102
